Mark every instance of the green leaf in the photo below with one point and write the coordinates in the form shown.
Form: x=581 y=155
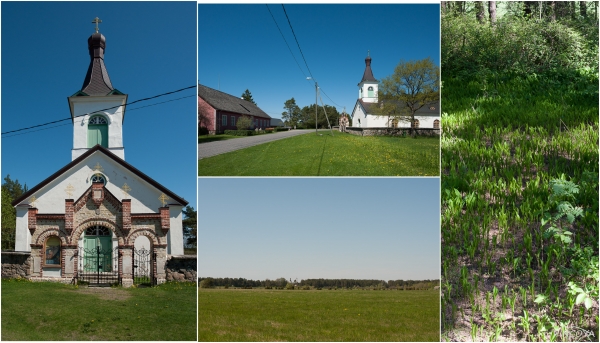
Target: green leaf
x=588 y=302
x=580 y=298
x=540 y=299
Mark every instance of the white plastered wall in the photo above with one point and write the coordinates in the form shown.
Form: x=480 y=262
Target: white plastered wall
x=92 y=105
x=22 y=235
x=175 y=235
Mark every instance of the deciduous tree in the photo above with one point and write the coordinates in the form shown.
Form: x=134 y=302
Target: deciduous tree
x=244 y=123
x=413 y=85
x=291 y=116
x=189 y=223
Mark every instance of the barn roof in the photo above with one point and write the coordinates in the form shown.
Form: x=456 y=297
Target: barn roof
x=225 y=102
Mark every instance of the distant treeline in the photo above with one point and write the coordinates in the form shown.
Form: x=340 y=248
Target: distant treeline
x=322 y=283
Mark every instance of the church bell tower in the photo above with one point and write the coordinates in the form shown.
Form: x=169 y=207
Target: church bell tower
x=97 y=109
x=368 y=86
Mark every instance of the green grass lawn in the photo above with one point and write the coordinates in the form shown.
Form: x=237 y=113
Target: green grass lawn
x=340 y=155
x=45 y=311
x=325 y=315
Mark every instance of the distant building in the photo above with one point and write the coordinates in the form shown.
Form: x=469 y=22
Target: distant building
x=275 y=122
x=426 y=117
x=218 y=111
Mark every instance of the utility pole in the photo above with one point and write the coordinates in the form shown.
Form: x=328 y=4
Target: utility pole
x=316 y=102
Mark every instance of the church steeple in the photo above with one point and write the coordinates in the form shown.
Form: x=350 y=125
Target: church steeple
x=368 y=86
x=368 y=74
x=98 y=109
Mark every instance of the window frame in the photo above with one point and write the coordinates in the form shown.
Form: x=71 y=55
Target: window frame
x=59 y=252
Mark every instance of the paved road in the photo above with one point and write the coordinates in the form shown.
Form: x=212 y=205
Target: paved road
x=220 y=147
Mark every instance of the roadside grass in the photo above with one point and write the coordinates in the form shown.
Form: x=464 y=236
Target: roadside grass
x=325 y=315
x=324 y=155
x=511 y=269
x=47 y=311
x=214 y=138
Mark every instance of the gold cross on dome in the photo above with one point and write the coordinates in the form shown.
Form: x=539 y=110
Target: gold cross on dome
x=97 y=21
x=69 y=189
x=98 y=167
x=125 y=189
x=163 y=198
x=32 y=201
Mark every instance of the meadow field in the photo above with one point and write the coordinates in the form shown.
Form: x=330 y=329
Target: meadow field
x=519 y=181
x=48 y=311
x=324 y=155
x=317 y=315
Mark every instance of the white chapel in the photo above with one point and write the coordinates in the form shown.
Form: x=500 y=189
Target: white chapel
x=99 y=220
x=368 y=87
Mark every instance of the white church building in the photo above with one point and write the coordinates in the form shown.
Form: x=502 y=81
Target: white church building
x=99 y=220
x=426 y=117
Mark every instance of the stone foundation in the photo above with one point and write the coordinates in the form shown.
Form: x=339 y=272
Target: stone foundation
x=181 y=268
x=16 y=264
x=388 y=131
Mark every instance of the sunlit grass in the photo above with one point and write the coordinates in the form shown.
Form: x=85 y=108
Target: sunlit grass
x=324 y=155
x=47 y=311
x=317 y=315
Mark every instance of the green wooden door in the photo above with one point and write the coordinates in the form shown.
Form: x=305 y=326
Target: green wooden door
x=93 y=259
x=98 y=134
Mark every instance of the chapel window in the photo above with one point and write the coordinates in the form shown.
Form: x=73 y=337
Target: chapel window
x=97 y=231
x=97 y=131
x=98 y=178
x=52 y=251
x=415 y=124
x=224 y=120
x=436 y=124
x=371 y=93
x=232 y=121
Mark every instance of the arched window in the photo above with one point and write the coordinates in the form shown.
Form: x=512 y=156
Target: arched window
x=98 y=178
x=97 y=131
x=52 y=252
x=395 y=122
x=415 y=124
x=436 y=124
x=370 y=92
x=97 y=231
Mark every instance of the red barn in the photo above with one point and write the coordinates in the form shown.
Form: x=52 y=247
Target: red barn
x=218 y=111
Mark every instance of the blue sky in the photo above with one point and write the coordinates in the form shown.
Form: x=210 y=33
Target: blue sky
x=241 y=48
x=150 y=49
x=356 y=228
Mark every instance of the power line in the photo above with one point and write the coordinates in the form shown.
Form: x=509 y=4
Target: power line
x=288 y=19
x=286 y=43
x=105 y=109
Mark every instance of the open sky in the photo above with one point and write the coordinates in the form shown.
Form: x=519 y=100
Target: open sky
x=150 y=49
x=355 y=228
x=240 y=47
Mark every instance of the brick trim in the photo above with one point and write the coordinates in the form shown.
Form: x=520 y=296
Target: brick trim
x=31 y=219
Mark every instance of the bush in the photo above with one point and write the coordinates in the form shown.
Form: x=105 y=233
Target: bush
x=202 y=131
x=289 y=286
x=207 y=283
x=239 y=132
x=306 y=287
x=244 y=123
x=279 y=129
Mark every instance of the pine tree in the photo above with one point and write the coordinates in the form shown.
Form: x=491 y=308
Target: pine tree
x=248 y=96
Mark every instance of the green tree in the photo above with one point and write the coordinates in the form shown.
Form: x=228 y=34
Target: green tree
x=244 y=123
x=190 y=225
x=413 y=85
x=292 y=114
x=248 y=96
x=11 y=190
x=207 y=283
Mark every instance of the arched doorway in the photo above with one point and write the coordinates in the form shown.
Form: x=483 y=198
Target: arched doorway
x=99 y=260
x=143 y=262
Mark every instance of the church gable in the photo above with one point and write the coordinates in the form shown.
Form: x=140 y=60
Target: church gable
x=107 y=207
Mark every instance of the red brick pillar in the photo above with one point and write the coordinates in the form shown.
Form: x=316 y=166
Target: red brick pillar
x=32 y=220
x=126 y=216
x=69 y=216
x=165 y=222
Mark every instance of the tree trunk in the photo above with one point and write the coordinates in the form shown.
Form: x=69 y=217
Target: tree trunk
x=480 y=12
x=552 y=11
x=583 y=9
x=492 y=10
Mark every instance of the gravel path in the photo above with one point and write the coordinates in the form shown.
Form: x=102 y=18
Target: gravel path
x=220 y=147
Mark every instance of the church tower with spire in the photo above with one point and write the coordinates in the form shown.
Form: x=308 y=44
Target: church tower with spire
x=368 y=86
x=97 y=109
